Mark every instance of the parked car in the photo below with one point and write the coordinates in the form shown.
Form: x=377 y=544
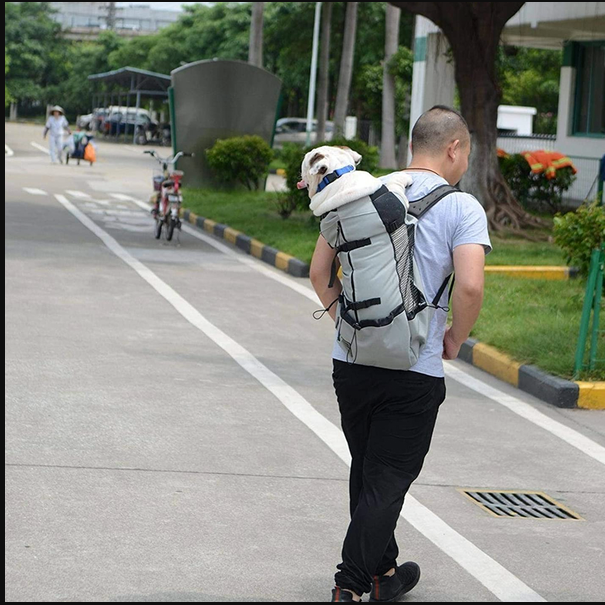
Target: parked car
x=294 y=130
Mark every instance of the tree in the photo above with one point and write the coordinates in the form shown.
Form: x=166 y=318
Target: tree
x=255 y=52
x=32 y=41
x=7 y=98
x=387 y=148
x=473 y=30
x=324 y=71
x=346 y=69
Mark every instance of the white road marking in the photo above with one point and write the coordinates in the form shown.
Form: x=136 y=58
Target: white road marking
x=569 y=435
x=525 y=410
x=8 y=152
x=574 y=438
x=497 y=579
x=79 y=194
x=34 y=191
x=38 y=146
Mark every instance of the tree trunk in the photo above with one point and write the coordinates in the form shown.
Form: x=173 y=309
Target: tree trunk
x=402 y=151
x=255 y=49
x=324 y=72
x=473 y=30
x=346 y=69
x=387 y=147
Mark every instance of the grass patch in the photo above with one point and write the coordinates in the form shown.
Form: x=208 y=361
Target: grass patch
x=517 y=251
x=255 y=214
x=535 y=322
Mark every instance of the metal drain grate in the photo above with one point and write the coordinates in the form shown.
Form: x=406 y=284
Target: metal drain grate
x=531 y=505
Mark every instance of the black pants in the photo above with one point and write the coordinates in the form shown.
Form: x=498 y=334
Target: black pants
x=388 y=417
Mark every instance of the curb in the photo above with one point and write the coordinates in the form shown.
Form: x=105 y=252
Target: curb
x=550 y=389
x=269 y=255
x=530 y=272
x=278 y=171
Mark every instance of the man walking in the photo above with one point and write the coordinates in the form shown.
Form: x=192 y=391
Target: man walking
x=56 y=124
x=388 y=416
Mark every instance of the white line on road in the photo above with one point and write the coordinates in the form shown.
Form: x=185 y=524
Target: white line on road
x=38 y=146
x=34 y=191
x=574 y=438
x=8 y=152
x=497 y=579
x=79 y=194
x=525 y=410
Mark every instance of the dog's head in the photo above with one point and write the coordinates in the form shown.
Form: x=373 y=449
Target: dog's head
x=322 y=161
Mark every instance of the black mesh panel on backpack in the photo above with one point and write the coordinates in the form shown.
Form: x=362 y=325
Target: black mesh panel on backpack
x=403 y=243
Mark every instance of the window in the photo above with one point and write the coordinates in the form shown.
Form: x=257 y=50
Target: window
x=589 y=116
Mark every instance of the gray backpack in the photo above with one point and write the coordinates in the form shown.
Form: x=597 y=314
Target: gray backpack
x=383 y=317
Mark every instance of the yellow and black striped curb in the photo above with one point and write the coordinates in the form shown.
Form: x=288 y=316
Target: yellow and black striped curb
x=551 y=389
x=280 y=260
x=278 y=171
x=530 y=272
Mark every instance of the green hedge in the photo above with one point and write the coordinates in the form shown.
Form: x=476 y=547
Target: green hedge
x=243 y=160
x=579 y=233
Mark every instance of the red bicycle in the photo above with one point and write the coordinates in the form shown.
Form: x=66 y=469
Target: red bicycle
x=167 y=198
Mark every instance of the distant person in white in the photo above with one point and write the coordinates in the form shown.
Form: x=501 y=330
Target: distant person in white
x=56 y=124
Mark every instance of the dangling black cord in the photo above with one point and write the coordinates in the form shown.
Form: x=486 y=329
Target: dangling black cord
x=323 y=311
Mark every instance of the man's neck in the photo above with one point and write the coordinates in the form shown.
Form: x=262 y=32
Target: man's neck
x=426 y=166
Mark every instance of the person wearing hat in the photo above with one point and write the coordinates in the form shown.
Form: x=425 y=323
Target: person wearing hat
x=56 y=124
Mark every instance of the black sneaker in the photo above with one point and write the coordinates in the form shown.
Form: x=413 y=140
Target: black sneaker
x=341 y=595
x=392 y=588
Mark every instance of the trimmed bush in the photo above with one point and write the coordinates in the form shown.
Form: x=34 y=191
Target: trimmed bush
x=243 y=160
x=293 y=155
x=534 y=191
x=579 y=233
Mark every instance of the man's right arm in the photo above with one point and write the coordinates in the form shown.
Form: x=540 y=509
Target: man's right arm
x=320 y=272
x=469 y=262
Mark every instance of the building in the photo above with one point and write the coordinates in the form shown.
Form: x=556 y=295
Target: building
x=85 y=20
x=576 y=27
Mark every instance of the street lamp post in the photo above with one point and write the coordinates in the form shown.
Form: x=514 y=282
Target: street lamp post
x=312 y=77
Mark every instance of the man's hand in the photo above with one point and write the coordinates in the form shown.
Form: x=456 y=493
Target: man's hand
x=451 y=348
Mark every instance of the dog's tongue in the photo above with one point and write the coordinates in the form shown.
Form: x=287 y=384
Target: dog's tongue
x=301 y=185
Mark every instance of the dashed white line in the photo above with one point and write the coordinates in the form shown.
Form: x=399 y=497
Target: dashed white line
x=497 y=579
x=79 y=194
x=34 y=191
x=40 y=147
x=8 y=152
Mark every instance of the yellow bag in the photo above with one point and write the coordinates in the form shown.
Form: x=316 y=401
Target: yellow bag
x=90 y=155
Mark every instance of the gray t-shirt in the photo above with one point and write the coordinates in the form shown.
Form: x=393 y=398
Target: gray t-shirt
x=457 y=219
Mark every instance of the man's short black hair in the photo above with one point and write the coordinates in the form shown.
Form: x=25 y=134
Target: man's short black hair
x=437 y=128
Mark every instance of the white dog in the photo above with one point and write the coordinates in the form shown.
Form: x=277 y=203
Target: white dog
x=329 y=175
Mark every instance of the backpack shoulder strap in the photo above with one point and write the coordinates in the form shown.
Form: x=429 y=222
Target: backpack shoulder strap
x=418 y=208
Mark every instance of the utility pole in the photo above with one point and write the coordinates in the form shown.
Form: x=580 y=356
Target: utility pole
x=313 y=75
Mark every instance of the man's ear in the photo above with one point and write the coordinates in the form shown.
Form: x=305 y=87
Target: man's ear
x=454 y=149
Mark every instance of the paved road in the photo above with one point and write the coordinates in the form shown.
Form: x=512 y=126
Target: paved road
x=172 y=433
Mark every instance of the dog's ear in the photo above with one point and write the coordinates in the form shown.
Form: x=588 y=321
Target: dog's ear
x=316 y=166
x=354 y=155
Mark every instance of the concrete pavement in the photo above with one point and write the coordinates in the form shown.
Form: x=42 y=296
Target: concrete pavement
x=145 y=463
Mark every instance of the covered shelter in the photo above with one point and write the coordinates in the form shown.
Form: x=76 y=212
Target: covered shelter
x=126 y=85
